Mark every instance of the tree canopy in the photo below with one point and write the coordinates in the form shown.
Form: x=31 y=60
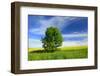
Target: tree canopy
x=53 y=39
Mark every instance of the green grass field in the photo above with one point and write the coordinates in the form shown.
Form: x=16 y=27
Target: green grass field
x=75 y=52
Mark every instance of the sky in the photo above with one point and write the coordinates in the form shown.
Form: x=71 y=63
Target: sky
x=74 y=29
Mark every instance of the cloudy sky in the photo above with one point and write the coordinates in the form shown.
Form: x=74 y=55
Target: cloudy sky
x=74 y=29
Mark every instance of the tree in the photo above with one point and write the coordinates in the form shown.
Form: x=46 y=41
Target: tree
x=52 y=39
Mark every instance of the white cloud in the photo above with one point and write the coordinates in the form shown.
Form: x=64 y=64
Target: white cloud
x=75 y=35
x=75 y=43
x=54 y=21
x=33 y=43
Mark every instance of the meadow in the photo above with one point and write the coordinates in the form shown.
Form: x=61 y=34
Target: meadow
x=75 y=52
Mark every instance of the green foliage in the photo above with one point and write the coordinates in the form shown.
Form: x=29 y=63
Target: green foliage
x=52 y=39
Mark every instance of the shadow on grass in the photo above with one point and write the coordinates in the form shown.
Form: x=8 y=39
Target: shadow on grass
x=37 y=51
x=42 y=51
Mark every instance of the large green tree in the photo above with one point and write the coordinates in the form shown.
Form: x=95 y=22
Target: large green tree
x=53 y=39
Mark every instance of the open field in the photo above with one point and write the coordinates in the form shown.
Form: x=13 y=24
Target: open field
x=75 y=52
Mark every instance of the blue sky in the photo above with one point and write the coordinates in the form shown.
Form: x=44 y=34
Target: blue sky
x=74 y=29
